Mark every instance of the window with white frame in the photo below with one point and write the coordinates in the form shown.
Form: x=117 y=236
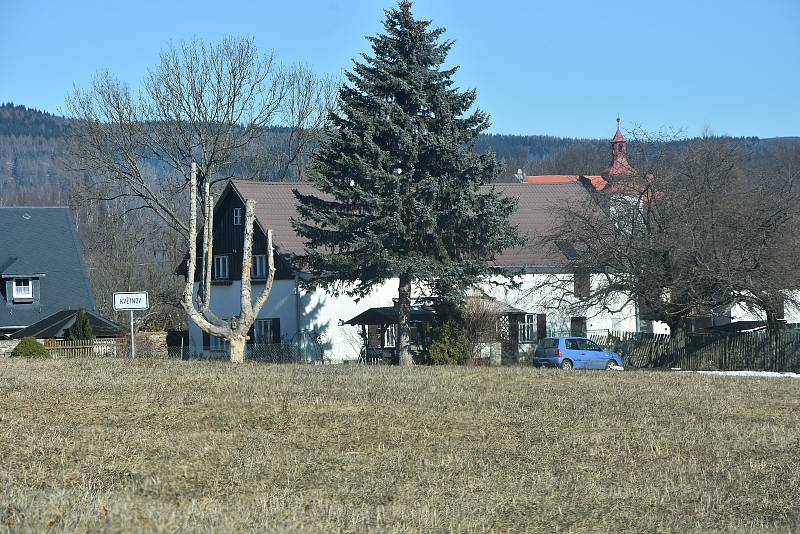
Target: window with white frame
x=218 y=344
x=259 y=266
x=237 y=216
x=526 y=332
x=264 y=331
x=23 y=289
x=220 y=267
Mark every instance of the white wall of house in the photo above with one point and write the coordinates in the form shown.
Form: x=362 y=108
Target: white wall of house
x=530 y=296
x=321 y=312
x=225 y=304
x=791 y=312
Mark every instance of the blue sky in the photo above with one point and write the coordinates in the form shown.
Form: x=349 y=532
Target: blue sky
x=556 y=68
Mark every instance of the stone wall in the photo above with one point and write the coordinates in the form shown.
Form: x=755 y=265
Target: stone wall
x=147 y=344
x=6 y=346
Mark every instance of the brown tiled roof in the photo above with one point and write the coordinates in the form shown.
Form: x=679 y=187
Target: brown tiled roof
x=536 y=215
x=275 y=206
x=598 y=182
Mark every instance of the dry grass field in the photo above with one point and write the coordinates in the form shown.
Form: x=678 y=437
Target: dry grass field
x=119 y=446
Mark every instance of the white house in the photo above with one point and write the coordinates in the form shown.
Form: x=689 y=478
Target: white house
x=292 y=311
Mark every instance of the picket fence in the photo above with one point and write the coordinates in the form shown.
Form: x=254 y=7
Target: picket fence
x=63 y=348
x=763 y=350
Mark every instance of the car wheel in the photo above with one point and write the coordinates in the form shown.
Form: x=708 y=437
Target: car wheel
x=567 y=365
x=610 y=364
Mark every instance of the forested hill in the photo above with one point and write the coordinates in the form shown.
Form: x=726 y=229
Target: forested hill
x=20 y=121
x=33 y=148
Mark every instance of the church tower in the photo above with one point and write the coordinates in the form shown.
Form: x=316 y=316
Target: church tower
x=619 y=158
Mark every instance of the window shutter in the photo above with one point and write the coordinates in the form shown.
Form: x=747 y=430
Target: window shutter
x=206 y=341
x=541 y=325
x=35 y=288
x=10 y=291
x=276 y=330
x=583 y=284
x=251 y=334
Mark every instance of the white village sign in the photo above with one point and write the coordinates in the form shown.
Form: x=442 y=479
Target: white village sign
x=130 y=301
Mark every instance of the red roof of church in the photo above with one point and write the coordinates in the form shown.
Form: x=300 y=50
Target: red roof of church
x=618 y=138
x=619 y=167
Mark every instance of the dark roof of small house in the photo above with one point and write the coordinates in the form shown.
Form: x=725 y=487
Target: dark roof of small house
x=537 y=215
x=42 y=241
x=58 y=325
x=389 y=315
x=736 y=326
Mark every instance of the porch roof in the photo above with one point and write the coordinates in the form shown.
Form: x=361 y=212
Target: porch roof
x=389 y=315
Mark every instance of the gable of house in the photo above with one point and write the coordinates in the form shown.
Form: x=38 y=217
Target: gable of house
x=228 y=245
x=41 y=266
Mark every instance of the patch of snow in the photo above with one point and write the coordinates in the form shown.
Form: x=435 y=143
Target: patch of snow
x=616 y=368
x=756 y=374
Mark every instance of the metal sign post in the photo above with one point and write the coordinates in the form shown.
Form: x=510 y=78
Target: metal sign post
x=133 y=339
x=130 y=301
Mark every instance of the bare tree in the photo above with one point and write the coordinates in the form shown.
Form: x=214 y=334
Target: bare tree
x=201 y=117
x=480 y=315
x=690 y=234
x=129 y=250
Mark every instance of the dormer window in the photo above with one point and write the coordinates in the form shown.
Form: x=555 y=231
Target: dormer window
x=237 y=216
x=23 y=289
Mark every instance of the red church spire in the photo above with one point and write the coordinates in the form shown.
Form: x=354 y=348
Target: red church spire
x=618 y=136
x=619 y=156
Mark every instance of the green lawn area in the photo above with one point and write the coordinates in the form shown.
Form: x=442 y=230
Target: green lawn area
x=120 y=445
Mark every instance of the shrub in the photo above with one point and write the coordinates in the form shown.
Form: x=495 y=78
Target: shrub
x=28 y=347
x=449 y=346
x=81 y=330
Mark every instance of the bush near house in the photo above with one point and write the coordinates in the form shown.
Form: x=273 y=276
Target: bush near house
x=448 y=339
x=81 y=330
x=449 y=346
x=28 y=347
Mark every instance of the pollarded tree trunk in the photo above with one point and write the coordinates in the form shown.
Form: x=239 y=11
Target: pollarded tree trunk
x=404 y=314
x=237 y=346
x=234 y=329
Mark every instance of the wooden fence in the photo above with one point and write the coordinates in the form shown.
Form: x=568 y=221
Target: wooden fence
x=763 y=351
x=62 y=348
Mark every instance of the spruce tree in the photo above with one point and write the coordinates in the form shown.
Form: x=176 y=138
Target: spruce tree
x=81 y=330
x=401 y=183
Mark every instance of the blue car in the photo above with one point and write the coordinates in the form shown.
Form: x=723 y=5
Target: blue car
x=574 y=353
